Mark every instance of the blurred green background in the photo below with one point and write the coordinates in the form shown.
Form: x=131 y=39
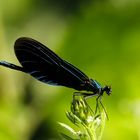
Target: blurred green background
x=100 y=37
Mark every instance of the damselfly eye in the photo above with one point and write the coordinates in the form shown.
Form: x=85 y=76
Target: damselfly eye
x=108 y=90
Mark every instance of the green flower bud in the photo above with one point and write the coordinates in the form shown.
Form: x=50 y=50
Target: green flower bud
x=80 y=108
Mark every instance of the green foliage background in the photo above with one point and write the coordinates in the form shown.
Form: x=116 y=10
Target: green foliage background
x=100 y=37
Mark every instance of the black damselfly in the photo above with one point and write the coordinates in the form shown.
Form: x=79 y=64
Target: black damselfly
x=44 y=65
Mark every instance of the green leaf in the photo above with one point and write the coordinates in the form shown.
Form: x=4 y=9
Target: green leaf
x=67 y=137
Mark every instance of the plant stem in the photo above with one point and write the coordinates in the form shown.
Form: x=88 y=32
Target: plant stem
x=103 y=116
x=91 y=134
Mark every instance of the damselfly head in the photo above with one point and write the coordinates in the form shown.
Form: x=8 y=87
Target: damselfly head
x=107 y=89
